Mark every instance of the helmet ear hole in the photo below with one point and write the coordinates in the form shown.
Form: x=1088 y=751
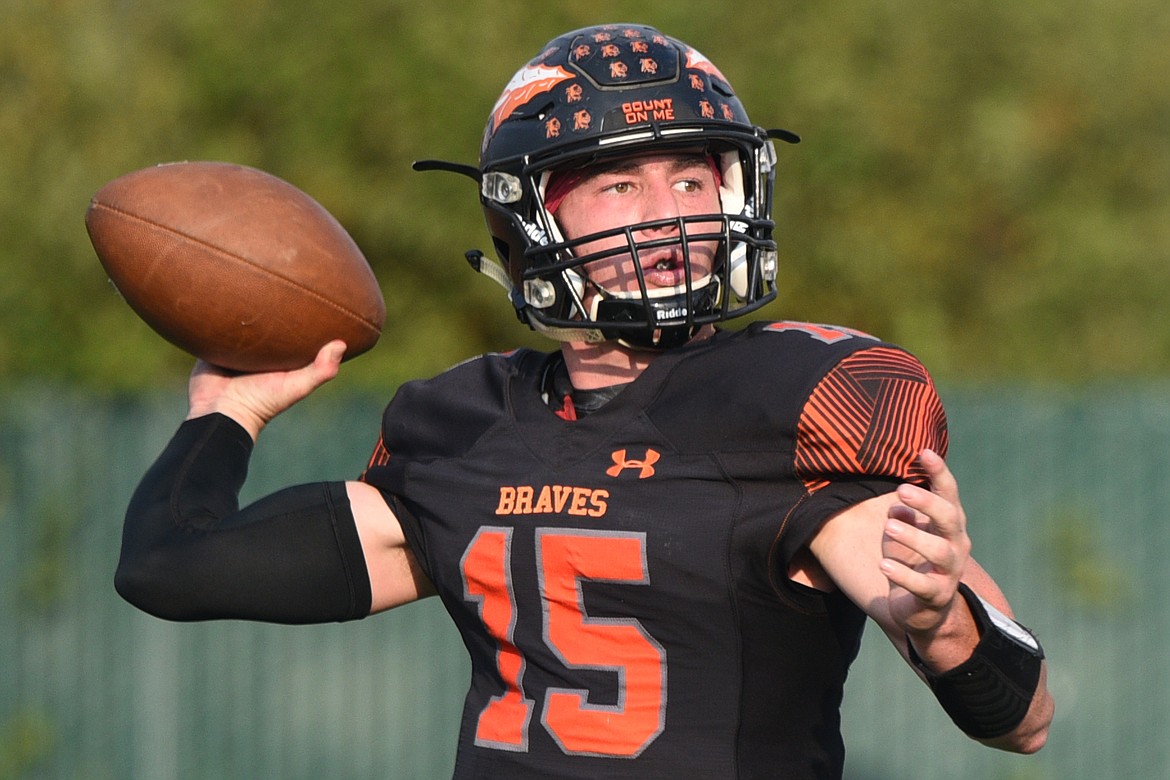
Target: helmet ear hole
x=501 y=247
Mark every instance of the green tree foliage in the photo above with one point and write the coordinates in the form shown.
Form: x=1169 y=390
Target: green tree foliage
x=986 y=183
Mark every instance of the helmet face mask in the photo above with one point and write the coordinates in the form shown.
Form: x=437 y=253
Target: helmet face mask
x=564 y=299
x=619 y=91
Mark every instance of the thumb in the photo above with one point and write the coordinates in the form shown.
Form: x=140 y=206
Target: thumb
x=326 y=364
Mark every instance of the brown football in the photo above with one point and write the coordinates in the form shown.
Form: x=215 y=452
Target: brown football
x=234 y=265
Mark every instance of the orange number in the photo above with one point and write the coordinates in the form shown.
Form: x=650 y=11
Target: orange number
x=826 y=333
x=503 y=724
x=616 y=644
x=565 y=559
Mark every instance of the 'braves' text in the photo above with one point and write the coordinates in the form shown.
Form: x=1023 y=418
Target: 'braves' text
x=552 y=499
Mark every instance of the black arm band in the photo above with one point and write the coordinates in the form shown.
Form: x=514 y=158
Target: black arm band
x=190 y=553
x=988 y=695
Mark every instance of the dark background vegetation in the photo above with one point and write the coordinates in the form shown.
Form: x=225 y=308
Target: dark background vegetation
x=986 y=183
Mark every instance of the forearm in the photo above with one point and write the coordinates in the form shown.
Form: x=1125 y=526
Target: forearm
x=988 y=673
x=190 y=553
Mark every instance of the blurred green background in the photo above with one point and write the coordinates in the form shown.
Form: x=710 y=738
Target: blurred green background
x=987 y=184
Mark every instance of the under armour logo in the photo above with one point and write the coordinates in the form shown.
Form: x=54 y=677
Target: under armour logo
x=645 y=466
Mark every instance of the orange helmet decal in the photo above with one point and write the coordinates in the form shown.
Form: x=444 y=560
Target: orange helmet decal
x=697 y=61
x=525 y=85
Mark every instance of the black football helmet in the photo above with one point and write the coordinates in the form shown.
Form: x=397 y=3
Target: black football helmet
x=613 y=91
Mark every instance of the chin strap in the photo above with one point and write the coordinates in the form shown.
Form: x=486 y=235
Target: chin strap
x=492 y=270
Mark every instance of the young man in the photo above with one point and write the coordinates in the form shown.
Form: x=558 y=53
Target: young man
x=660 y=542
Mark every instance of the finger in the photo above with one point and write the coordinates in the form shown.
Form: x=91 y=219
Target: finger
x=944 y=516
x=918 y=548
x=328 y=359
x=203 y=368
x=324 y=367
x=909 y=516
x=892 y=544
x=942 y=481
x=922 y=585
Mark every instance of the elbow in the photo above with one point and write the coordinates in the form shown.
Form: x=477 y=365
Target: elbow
x=149 y=589
x=1032 y=734
x=134 y=588
x=1034 y=743
x=1025 y=743
x=1032 y=739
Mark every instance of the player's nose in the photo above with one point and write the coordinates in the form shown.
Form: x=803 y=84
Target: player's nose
x=659 y=202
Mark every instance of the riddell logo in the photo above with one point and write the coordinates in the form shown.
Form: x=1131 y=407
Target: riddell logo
x=645 y=466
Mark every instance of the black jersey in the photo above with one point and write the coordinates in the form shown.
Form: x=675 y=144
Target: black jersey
x=620 y=580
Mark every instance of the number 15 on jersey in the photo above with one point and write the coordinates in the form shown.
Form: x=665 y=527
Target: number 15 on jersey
x=565 y=558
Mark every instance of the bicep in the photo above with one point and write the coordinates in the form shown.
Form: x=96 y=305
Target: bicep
x=395 y=575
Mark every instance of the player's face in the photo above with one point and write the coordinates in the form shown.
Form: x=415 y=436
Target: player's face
x=643 y=189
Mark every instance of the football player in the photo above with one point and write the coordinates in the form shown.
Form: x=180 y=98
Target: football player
x=660 y=541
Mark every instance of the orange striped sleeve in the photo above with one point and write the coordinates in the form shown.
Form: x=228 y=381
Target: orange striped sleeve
x=870 y=416
x=380 y=456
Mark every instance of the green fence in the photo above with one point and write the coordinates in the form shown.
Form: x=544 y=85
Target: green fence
x=1065 y=491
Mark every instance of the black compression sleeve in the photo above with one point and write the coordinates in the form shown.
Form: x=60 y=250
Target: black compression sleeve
x=190 y=553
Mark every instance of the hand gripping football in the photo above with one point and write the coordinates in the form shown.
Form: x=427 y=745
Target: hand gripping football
x=234 y=265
